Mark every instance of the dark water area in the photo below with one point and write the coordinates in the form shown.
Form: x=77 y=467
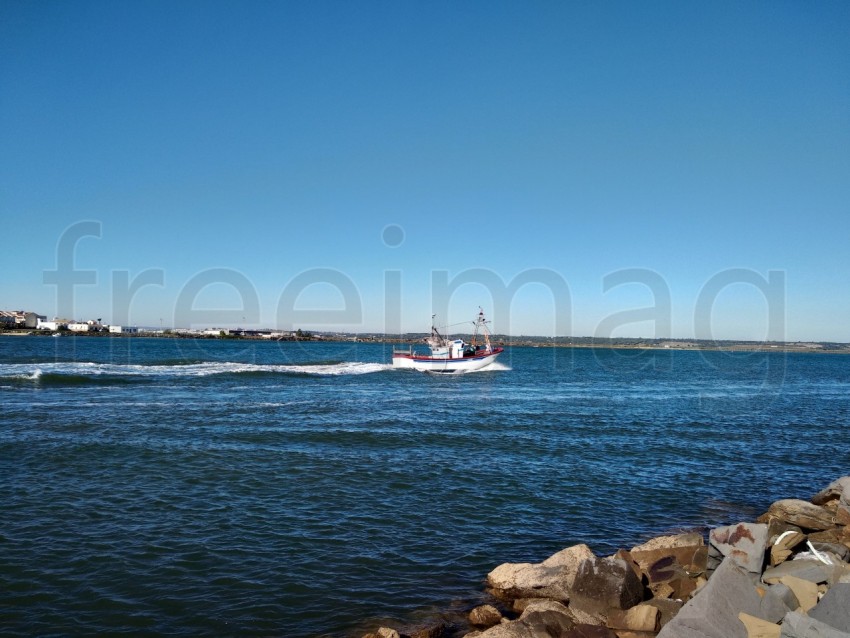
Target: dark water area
x=215 y=487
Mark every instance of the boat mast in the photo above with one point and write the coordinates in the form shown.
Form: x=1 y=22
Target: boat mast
x=436 y=339
x=480 y=324
x=483 y=323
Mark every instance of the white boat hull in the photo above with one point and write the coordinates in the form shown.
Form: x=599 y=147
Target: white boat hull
x=425 y=363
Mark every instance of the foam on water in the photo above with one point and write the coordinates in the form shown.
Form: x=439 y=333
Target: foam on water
x=34 y=372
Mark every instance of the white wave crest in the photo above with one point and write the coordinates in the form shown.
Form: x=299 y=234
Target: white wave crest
x=35 y=371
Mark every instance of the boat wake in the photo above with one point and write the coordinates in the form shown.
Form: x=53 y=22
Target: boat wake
x=83 y=371
x=496 y=366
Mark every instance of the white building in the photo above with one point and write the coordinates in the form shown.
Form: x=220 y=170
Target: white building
x=127 y=330
x=79 y=326
x=20 y=318
x=56 y=324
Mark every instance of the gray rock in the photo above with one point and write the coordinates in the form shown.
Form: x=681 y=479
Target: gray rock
x=797 y=625
x=605 y=583
x=834 y=608
x=582 y=617
x=744 y=542
x=553 y=578
x=547 y=618
x=668 y=608
x=777 y=601
x=812 y=570
x=713 y=611
x=802 y=513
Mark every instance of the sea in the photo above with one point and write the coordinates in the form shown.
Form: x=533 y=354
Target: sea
x=227 y=487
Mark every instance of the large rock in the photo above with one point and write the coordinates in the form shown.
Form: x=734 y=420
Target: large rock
x=832 y=535
x=807 y=569
x=667 y=608
x=758 y=628
x=775 y=527
x=439 y=629
x=834 y=608
x=805 y=591
x=590 y=631
x=838 y=490
x=667 y=542
x=797 y=625
x=541 y=619
x=553 y=578
x=547 y=618
x=511 y=629
x=744 y=542
x=713 y=612
x=801 y=513
x=777 y=601
x=638 y=618
x=624 y=554
x=605 y=583
x=667 y=558
x=484 y=616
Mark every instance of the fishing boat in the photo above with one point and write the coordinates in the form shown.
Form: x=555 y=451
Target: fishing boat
x=451 y=355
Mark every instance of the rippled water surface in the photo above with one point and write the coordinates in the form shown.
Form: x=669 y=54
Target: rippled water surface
x=303 y=489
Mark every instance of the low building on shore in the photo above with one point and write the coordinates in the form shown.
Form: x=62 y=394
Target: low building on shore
x=20 y=319
x=127 y=330
x=55 y=324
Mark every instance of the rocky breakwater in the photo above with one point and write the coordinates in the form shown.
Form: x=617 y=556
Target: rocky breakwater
x=786 y=575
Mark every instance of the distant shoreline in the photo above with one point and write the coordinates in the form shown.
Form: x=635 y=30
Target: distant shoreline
x=518 y=342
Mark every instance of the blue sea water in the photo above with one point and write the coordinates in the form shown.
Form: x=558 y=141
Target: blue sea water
x=212 y=487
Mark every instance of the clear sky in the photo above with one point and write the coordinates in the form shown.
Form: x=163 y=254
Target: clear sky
x=331 y=165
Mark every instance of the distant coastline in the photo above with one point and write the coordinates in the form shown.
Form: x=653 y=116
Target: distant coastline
x=615 y=343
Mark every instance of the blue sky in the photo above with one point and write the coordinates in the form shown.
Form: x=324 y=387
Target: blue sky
x=707 y=144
